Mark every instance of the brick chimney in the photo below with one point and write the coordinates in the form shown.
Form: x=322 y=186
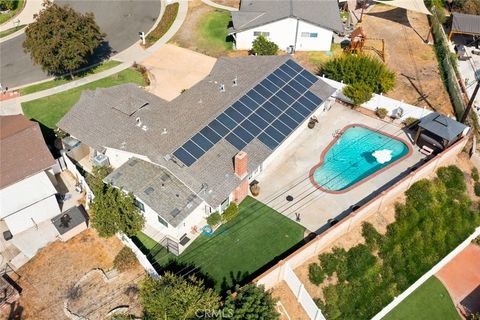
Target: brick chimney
x=241 y=171
x=241 y=164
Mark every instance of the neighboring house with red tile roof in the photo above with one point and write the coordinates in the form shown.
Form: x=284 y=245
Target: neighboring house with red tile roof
x=27 y=184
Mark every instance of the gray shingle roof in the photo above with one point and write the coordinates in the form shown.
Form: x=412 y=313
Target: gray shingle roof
x=465 y=23
x=157 y=187
x=442 y=126
x=169 y=124
x=254 y=13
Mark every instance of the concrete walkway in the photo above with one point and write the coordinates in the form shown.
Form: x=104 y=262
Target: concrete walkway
x=25 y=16
x=128 y=57
x=218 y=6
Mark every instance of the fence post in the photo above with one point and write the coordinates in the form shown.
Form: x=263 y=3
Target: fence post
x=299 y=294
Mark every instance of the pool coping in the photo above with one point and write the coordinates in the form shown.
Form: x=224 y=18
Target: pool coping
x=327 y=148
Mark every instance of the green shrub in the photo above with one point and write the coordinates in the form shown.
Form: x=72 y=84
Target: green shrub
x=124 y=260
x=476 y=188
x=453 y=179
x=230 y=212
x=410 y=121
x=316 y=273
x=371 y=235
x=262 y=47
x=214 y=218
x=474 y=174
x=381 y=112
x=358 y=92
x=334 y=261
x=8 y=4
x=353 y=69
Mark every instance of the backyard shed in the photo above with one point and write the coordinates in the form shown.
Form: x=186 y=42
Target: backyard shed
x=71 y=222
x=468 y=24
x=440 y=130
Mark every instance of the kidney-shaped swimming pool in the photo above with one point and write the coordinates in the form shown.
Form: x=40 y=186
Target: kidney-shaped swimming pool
x=348 y=160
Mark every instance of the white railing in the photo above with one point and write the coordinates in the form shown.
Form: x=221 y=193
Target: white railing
x=301 y=294
x=397 y=300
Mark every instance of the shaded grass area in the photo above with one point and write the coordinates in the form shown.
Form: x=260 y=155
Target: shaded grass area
x=257 y=236
x=213 y=33
x=11 y=30
x=430 y=301
x=49 y=110
x=18 y=8
x=62 y=80
x=164 y=25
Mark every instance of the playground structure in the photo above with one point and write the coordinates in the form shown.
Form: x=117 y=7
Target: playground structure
x=358 y=43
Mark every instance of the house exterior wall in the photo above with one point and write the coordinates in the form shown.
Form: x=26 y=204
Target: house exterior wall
x=283 y=33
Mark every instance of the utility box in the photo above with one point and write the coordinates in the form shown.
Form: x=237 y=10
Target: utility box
x=100 y=160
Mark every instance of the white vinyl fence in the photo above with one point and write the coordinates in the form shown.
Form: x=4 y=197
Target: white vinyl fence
x=427 y=275
x=142 y=259
x=380 y=101
x=301 y=294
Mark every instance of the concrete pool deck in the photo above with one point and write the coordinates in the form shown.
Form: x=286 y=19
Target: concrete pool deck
x=288 y=175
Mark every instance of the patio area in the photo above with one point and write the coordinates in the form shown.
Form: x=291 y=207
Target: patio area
x=288 y=175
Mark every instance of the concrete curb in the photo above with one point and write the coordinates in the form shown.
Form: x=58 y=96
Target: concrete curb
x=219 y=6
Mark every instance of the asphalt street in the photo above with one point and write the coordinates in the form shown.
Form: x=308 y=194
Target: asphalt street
x=121 y=20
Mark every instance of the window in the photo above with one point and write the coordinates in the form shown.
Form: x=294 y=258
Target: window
x=139 y=205
x=162 y=221
x=309 y=35
x=261 y=33
x=225 y=204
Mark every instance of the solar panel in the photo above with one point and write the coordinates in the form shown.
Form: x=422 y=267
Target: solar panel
x=184 y=156
x=269 y=112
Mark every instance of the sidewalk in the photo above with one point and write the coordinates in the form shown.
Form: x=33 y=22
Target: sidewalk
x=25 y=16
x=218 y=6
x=128 y=57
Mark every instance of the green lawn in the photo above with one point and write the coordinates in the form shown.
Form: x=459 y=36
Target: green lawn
x=236 y=250
x=56 y=82
x=11 y=30
x=430 y=301
x=49 y=110
x=7 y=16
x=213 y=33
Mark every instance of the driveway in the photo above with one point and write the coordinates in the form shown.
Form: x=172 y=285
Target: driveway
x=289 y=174
x=461 y=277
x=172 y=69
x=120 y=20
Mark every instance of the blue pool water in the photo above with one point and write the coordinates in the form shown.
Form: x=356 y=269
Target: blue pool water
x=350 y=159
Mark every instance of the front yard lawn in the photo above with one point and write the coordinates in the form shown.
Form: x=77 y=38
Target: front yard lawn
x=430 y=301
x=49 y=110
x=214 y=35
x=255 y=237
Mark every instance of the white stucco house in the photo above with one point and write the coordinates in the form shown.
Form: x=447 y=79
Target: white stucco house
x=27 y=186
x=186 y=158
x=295 y=25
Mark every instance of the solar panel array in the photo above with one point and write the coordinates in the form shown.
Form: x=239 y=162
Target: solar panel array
x=269 y=112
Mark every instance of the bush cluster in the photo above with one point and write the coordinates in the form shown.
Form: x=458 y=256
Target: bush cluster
x=436 y=217
x=410 y=121
x=231 y=212
x=124 y=260
x=381 y=112
x=263 y=47
x=214 y=218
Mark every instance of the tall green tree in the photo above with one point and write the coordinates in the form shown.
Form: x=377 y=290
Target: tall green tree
x=95 y=180
x=263 y=47
x=61 y=40
x=173 y=297
x=250 y=302
x=114 y=211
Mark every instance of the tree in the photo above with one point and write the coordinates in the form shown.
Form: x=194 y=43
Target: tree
x=95 y=180
x=262 y=47
x=8 y=4
x=173 y=297
x=250 y=302
x=61 y=40
x=114 y=211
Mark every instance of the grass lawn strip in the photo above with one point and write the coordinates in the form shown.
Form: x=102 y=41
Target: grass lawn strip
x=164 y=25
x=49 y=110
x=11 y=30
x=430 y=301
x=214 y=32
x=56 y=82
x=252 y=239
x=12 y=13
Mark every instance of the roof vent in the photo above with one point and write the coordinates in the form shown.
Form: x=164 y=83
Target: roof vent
x=222 y=88
x=132 y=162
x=175 y=212
x=149 y=191
x=164 y=131
x=138 y=121
x=189 y=205
x=144 y=128
x=167 y=157
x=235 y=82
